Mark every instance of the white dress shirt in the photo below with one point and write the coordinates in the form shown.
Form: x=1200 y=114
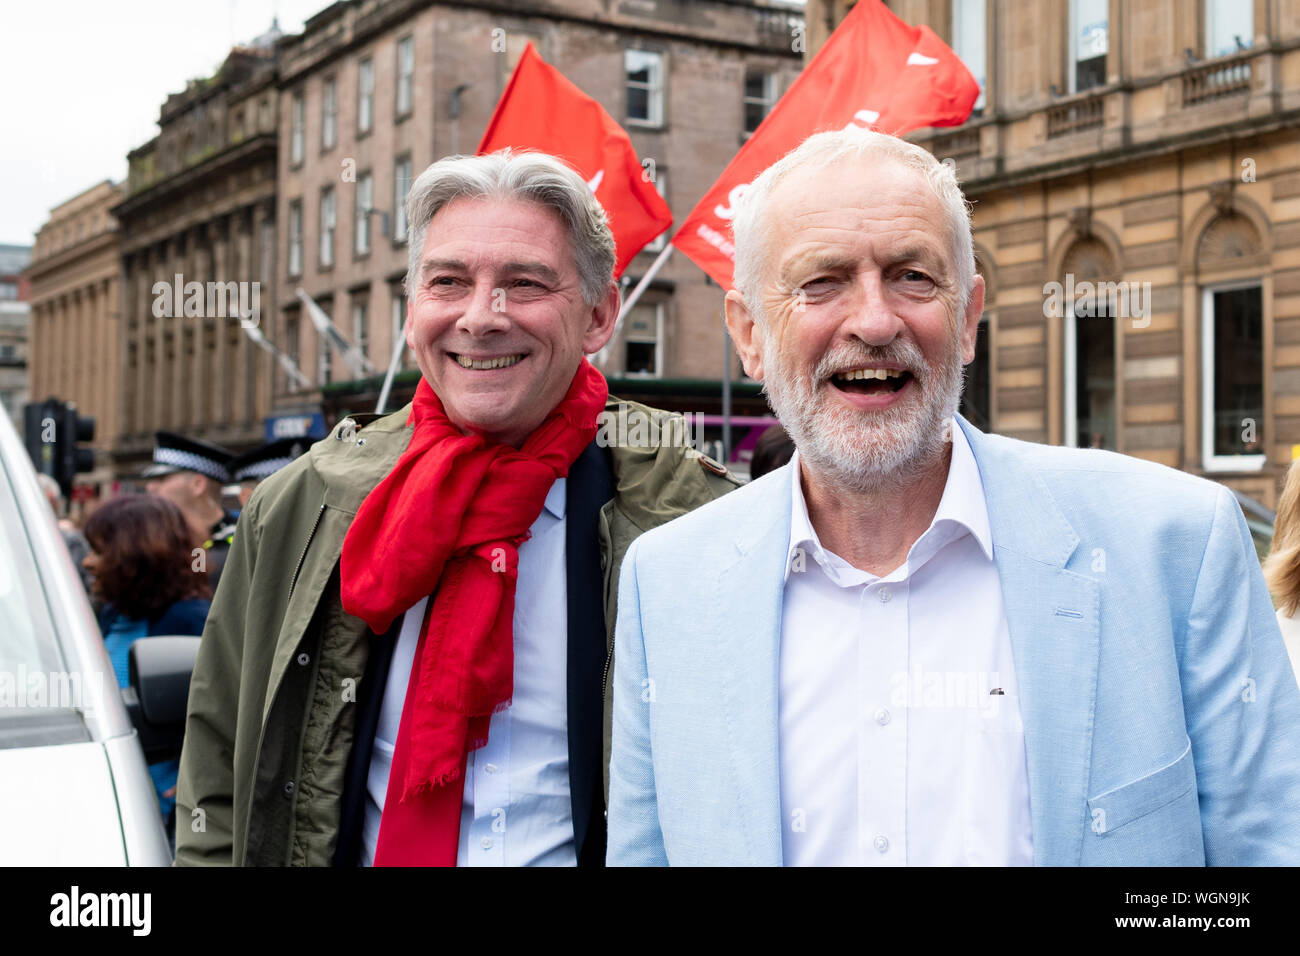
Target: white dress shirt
x=517 y=809
x=892 y=750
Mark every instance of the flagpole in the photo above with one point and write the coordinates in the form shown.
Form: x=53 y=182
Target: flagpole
x=631 y=300
x=392 y=370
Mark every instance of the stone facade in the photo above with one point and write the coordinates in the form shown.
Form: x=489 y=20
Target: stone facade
x=76 y=322
x=1174 y=168
x=15 y=322
x=462 y=56
x=200 y=208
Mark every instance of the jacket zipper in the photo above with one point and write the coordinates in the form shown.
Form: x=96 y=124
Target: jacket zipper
x=302 y=557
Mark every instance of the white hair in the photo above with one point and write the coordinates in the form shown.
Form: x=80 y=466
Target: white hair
x=753 y=236
x=528 y=177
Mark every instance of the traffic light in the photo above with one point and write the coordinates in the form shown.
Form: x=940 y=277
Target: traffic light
x=52 y=430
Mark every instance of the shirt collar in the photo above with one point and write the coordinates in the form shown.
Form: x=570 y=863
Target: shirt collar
x=962 y=509
x=555 y=498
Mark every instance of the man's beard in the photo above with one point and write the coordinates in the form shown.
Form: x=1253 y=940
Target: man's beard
x=867 y=450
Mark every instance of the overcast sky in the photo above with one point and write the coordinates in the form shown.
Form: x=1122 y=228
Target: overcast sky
x=82 y=82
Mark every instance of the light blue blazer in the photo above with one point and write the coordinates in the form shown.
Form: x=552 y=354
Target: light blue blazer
x=1161 y=716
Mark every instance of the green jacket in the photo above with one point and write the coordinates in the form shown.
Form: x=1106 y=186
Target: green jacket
x=272 y=700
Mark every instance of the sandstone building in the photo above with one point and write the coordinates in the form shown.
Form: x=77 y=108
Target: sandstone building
x=1149 y=151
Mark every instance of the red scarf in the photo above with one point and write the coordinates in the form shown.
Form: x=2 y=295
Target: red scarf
x=448 y=521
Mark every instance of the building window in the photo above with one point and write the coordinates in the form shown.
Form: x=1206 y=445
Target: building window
x=1090 y=420
x=1089 y=41
x=760 y=96
x=9 y=291
x=645 y=92
x=298 y=128
x=969 y=41
x=365 y=202
x=661 y=184
x=1229 y=26
x=324 y=361
x=976 y=393
x=329 y=114
x=401 y=183
x=361 y=327
x=365 y=95
x=405 y=74
x=643 y=341
x=295 y=238
x=328 y=220
x=399 y=320
x=1232 y=377
x=292 y=348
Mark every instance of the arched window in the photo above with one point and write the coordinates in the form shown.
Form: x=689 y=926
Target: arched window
x=1232 y=348
x=1089 y=308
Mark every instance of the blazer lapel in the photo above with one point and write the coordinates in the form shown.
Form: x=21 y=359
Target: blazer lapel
x=747 y=620
x=590 y=484
x=1053 y=615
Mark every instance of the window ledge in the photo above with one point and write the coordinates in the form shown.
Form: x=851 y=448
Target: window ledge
x=1223 y=464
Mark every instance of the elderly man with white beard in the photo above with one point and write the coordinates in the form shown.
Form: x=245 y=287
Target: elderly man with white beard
x=920 y=644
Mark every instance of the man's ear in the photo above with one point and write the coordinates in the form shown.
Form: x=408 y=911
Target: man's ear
x=971 y=325
x=604 y=314
x=748 y=340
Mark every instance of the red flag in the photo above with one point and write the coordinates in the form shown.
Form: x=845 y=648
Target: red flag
x=542 y=110
x=875 y=71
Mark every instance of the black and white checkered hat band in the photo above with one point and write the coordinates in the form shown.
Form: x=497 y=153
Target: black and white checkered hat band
x=261 y=469
x=190 y=462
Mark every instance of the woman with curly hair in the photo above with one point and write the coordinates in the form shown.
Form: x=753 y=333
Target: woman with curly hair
x=142 y=561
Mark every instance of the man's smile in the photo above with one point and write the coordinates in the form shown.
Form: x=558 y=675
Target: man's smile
x=487 y=363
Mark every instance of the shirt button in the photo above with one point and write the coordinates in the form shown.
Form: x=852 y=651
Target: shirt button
x=288 y=789
x=304 y=659
x=885 y=595
x=485 y=843
x=491 y=768
x=882 y=716
x=880 y=843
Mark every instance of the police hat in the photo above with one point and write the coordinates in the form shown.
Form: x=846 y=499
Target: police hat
x=265 y=461
x=173 y=453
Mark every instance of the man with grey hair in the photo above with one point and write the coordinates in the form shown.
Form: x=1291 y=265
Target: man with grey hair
x=407 y=660
x=917 y=643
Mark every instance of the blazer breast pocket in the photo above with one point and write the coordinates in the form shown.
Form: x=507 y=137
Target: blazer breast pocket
x=1120 y=806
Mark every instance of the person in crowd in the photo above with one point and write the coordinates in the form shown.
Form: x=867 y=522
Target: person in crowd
x=921 y=644
x=1282 y=567
x=190 y=473
x=251 y=468
x=73 y=539
x=142 y=564
x=407 y=661
x=772 y=450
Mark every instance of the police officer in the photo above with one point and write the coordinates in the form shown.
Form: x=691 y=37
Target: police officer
x=248 y=470
x=190 y=473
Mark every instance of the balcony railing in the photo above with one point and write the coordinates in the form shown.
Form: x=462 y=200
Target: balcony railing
x=1076 y=117
x=958 y=145
x=1215 y=81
